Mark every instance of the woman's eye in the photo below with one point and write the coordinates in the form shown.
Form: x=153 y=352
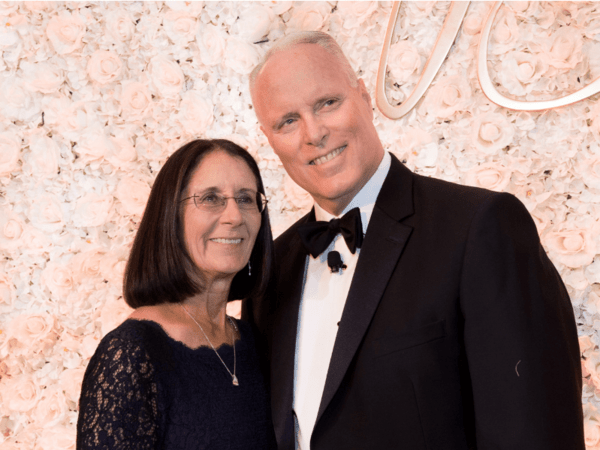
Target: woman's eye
x=244 y=200
x=210 y=199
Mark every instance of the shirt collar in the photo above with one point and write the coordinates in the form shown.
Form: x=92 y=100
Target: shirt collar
x=366 y=197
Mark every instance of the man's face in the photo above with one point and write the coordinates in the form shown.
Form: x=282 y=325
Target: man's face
x=319 y=125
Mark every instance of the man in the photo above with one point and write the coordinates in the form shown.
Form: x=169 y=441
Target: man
x=447 y=327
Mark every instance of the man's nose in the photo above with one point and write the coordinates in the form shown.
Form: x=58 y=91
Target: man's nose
x=315 y=132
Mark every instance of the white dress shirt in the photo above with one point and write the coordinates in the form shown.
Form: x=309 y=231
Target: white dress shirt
x=323 y=299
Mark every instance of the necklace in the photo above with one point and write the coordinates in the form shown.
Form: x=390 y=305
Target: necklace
x=234 y=379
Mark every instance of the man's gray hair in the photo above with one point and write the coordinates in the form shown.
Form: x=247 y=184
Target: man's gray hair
x=307 y=37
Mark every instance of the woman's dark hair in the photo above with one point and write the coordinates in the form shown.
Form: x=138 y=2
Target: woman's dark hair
x=160 y=269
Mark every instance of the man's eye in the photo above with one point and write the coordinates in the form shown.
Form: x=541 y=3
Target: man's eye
x=329 y=102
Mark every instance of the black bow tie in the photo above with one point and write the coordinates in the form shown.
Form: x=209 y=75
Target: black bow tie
x=316 y=236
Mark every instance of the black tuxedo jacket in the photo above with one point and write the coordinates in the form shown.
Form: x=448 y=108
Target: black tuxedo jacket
x=457 y=331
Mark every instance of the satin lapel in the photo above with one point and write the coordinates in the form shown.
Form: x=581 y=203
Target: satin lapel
x=382 y=247
x=291 y=272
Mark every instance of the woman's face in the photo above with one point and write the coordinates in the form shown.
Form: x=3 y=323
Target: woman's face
x=220 y=242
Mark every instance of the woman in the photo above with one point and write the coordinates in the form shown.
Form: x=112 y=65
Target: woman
x=180 y=373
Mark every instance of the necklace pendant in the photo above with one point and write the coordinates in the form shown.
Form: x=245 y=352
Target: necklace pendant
x=235 y=381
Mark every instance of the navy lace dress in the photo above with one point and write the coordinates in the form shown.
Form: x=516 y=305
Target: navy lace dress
x=145 y=390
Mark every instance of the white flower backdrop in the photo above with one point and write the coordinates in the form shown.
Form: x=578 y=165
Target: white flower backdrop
x=95 y=96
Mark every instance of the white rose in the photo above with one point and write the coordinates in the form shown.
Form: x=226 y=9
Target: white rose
x=65 y=31
x=44 y=155
x=104 y=66
x=491 y=133
x=563 y=49
x=180 y=27
x=86 y=265
x=58 y=279
x=254 y=23
x=166 y=75
x=296 y=196
x=10 y=151
x=504 y=33
x=491 y=176
x=572 y=247
x=446 y=97
x=136 y=99
x=355 y=14
x=11 y=229
x=45 y=213
x=70 y=382
x=240 y=56
x=591 y=425
x=113 y=313
x=17 y=102
x=57 y=438
x=7 y=292
x=43 y=77
x=133 y=195
x=37 y=241
x=122 y=153
x=519 y=71
x=195 y=113
x=119 y=25
x=211 y=44
x=309 y=16
x=403 y=61
x=533 y=194
x=36 y=6
x=592 y=272
x=590 y=171
x=20 y=394
x=93 y=145
x=35 y=332
x=51 y=409
x=472 y=23
x=92 y=210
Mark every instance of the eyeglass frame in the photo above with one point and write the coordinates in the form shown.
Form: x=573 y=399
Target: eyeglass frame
x=261 y=200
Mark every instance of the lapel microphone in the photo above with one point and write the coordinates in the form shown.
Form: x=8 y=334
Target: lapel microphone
x=334 y=261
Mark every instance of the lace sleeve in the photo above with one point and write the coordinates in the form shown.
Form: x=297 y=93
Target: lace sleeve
x=118 y=407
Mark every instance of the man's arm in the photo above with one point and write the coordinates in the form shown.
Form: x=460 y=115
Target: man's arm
x=520 y=335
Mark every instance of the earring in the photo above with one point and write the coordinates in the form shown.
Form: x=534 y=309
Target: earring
x=249 y=269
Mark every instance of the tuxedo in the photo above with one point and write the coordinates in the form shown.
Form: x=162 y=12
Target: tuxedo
x=457 y=332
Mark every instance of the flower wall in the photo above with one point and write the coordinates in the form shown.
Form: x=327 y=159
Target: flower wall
x=95 y=96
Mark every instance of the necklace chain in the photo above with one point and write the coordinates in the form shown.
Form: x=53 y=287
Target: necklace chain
x=234 y=328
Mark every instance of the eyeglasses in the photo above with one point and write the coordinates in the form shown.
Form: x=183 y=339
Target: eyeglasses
x=216 y=203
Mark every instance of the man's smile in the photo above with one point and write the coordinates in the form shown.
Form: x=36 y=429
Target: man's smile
x=328 y=157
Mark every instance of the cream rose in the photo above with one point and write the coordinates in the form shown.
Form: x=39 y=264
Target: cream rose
x=195 y=113
x=254 y=22
x=45 y=213
x=180 y=27
x=85 y=266
x=166 y=75
x=519 y=71
x=572 y=247
x=296 y=196
x=491 y=176
x=58 y=279
x=448 y=96
x=93 y=145
x=403 y=61
x=44 y=155
x=136 y=99
x=104 y=66
x=133 y=195
x=120 y=26
x=35 y=332
x=10 y=151
x=51 y=409
x=43 y=77
x=504 y=33
x=92 y=210
x=563 y=50
x=65 y=32
x=17 y=102
x=70 y=382
x=122 y=153
x=20 y=394
x=472 y=23
x=309 y=16
x=491 y=133
x=211 y=45
x=355 y=14
x=240 y=56
x=590 y=171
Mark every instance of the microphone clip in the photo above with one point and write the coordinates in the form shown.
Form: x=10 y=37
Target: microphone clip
x=334 y=261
